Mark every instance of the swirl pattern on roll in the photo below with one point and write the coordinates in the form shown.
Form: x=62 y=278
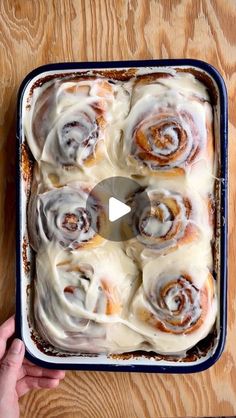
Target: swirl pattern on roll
x=67 y=128
x=169 y=128
x=176 y=304
x=61 y=215
x=172 y=219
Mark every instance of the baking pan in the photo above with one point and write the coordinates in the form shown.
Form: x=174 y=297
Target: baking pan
x=138 y=362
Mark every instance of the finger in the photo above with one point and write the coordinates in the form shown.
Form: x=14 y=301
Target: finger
x=26 y=361
x=7 y=329
x=36 y=371
x=29 y=382
x=10 y=366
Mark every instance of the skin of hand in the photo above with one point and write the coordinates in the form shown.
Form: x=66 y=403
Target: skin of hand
x=18 y=375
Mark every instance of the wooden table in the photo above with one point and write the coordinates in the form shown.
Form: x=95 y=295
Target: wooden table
x=34 y=32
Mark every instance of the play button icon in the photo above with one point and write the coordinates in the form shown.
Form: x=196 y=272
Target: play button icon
x=120 y=202
x=117 y=209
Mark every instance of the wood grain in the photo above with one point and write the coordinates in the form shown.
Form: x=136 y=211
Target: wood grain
x=34 y=32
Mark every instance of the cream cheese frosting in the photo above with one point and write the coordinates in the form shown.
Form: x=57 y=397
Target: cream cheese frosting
x=63 y=217
x=176 y=305
x=169 y=128
x=80 y=295
x=155 y=292
x=178 y=216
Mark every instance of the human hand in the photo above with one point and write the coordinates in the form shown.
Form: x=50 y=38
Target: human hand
x=18 y=375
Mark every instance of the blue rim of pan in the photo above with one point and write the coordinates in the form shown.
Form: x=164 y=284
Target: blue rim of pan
x=152 y=368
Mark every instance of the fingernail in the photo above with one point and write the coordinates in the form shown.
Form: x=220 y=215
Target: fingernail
x=16 y=346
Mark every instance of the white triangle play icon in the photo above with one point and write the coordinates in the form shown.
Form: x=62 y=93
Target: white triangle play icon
x=117 y=209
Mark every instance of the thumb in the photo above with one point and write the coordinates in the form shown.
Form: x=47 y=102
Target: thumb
x=11 y=365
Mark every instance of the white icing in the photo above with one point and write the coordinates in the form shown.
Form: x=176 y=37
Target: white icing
x=71 y=132
x=156 y=227
x=61 y=215
x=160 y=272
x=184 y=105
x=165 y=230
x=79 y=320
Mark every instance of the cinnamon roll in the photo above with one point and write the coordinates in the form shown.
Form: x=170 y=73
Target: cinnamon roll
x=176 y=305
x=76 y=309
x=68 y=121
x=62 y=216
x=171 y=219
x=169 y=127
